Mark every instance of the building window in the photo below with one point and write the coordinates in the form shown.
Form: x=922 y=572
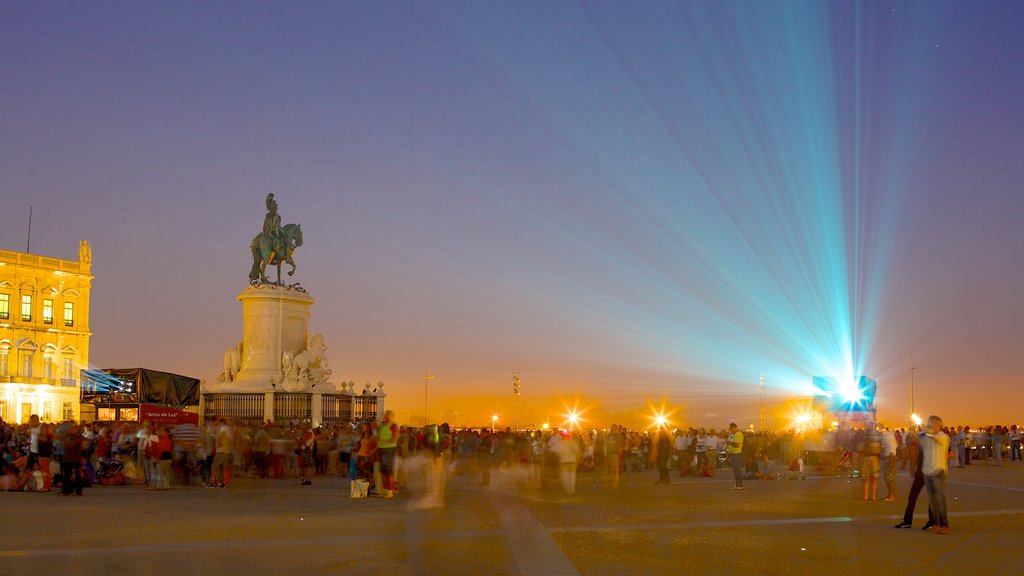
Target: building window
x=5 y=368
x=67 y=412
x=47 y=311
x=26 y=364
x=47 y=411
x=3 y=411
x=26 y=307
x=69 y=313
x=5 y=306
x=48 y=367
x=69 y=368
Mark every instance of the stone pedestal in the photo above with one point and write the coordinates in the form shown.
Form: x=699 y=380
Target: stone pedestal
x=274 y=320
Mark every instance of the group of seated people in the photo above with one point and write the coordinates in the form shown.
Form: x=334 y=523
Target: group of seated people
x=22 y=472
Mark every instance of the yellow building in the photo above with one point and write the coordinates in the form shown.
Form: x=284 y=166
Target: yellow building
x=44 y=334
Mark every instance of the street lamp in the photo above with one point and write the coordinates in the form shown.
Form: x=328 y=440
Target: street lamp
x=494 y=420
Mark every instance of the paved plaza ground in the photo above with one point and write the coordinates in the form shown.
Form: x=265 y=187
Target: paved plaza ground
x=814 y=526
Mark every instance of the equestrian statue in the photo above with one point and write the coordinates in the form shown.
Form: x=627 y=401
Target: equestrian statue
x=274 y=246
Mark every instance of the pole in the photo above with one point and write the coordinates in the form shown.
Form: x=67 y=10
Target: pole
x=763 y=409
x=28 y=243
x=912 y=383
x=426 y=378
x=516 y=391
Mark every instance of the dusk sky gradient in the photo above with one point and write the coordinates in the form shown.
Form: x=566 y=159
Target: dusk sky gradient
x=630 y=202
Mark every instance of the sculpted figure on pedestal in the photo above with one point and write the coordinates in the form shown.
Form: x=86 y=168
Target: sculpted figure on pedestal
x=273 y=246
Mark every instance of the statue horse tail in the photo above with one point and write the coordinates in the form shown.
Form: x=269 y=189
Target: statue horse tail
x=257 y=258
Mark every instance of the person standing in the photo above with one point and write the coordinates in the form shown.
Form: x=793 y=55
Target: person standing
x=934 y=467
x=734 y=446
x=305 y=449
x=1015 y=440
x=889 y=462
x=387 y=441
x=661 y=454
x=45 y=446
x=960 y=441
x=712 y=445
x=614 y=445
x=260 y=450
x=870 y=466
x=568 y=458
x=142 y=462
x=998 y=440
x=71 y=464
x=968 y=445
x=164 y=454
x=915 y=487
x=222 y=456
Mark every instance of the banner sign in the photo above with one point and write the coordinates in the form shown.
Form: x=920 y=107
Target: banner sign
x=166 y=415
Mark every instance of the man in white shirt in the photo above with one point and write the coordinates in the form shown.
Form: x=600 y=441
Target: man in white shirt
x=935 y=467
x=141 y=462
x=680 y=445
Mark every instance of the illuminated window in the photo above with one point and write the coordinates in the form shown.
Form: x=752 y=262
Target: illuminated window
x=47 y=411
x=26 y=307
x=5 y=306
x=47 y=311
x=69 y=368
x=69 y=313
x=26 y=364
x=67 y=412
x=106 y=414
x=3 y=411
x=5 y=368
x=48 y=367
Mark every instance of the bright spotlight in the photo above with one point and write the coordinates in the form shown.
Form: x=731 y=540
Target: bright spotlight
x=851 y=392
x=915 y=419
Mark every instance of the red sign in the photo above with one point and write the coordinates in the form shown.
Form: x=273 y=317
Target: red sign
x=166 y=415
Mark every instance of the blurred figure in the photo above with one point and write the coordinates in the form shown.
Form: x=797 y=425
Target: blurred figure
x=661 y=453
x=614 y=446
x=889 y=462
x=305 y=454
x=870 y=465
x=568 y=457
x=220 y=468
x=260 y=451
x=71 y=465
x=387 y=442
x=934 y=448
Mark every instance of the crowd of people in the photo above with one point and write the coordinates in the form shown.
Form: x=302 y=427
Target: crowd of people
x=380 y=457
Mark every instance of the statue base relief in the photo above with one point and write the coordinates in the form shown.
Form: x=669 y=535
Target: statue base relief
x=275 y=319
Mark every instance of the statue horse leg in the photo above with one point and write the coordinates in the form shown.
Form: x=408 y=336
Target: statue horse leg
x=291 y=263
x=267 y=261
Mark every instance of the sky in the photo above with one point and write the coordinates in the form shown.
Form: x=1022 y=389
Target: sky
x=633 y=204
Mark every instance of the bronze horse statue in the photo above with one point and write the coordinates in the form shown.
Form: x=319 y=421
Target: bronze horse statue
x=268 y=250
